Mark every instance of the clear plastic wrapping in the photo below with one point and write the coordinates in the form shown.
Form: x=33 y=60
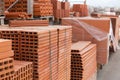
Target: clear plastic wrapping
x=93 y=31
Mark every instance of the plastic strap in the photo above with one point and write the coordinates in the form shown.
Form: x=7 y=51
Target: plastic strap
x=50 y=55
x=65 y=52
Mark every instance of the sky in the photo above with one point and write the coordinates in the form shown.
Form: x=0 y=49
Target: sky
x=103 y=3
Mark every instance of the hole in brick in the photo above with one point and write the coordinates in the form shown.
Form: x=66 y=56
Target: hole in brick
x=24 y=74
x=1 y=69
x=2 y=75
x=6 y=68
x=35 y=63
x=31 y=60
x=31 y=57
x=12 y=72
x=6 y=62
x=11 y=66
x=23 y=55
x=24 y=68
x=10 y=61
x=7 y=73
x=35 y=67
x=23 y=59
x=1 y=63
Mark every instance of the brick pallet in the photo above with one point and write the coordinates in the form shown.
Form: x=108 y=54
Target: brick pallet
x=102 y=52
x=60 y=9
x=83 y=60
x=23 y=70
x=43 y=8
x=17 y=23
x=49 y=53
x=10 y=69
x=14 y=15
x=81 y=8
x=38 y=51
x=63 y=47
x=20 y=6
x=64 y=52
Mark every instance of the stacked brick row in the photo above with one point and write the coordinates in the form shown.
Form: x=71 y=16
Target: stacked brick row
x=64 y=46
x=115 y=21
x=18 y=15
x=43 y=8
x=17 y=23
x=61 y=9
x=81 y=8
x=1 y=7
x=83 y=61
x=22 y=70
x=78 y=29
x=6 y=69
x=10 y=69
x=15 y=37
x=20 y=6
x=49 y=53
x=35 y=48
x=6 y=63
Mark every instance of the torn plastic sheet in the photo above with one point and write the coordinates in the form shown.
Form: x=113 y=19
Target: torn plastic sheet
x=93 y=31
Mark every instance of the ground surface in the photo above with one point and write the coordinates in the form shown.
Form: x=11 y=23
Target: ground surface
x=111 y=71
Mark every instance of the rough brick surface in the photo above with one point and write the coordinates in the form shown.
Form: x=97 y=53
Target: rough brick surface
x=83 y=60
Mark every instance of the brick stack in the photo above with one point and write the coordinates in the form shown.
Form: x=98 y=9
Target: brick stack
x=65 y=9
x=115 y=21
x=18 y=15
x=6 y=63
x=53 y=51
x=35 y=43
x=43 y=8
x=17 y=23
x=23 y=70
x=13 y=35
x=64 y=46
x=49 y=50
x=57 y=9
x=81 y=8
x=20 y=6
x=1 y=7
x=61 y=9
x=60 y=42
x=83 y=61
x=10 y=69
x=86 y=35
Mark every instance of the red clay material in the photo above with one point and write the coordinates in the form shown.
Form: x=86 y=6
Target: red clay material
x=23 y=70
x=27 y=23
x=81 y=34
x=81 y=8
x=6 y=68
x=83 y=60
x=49 y=48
